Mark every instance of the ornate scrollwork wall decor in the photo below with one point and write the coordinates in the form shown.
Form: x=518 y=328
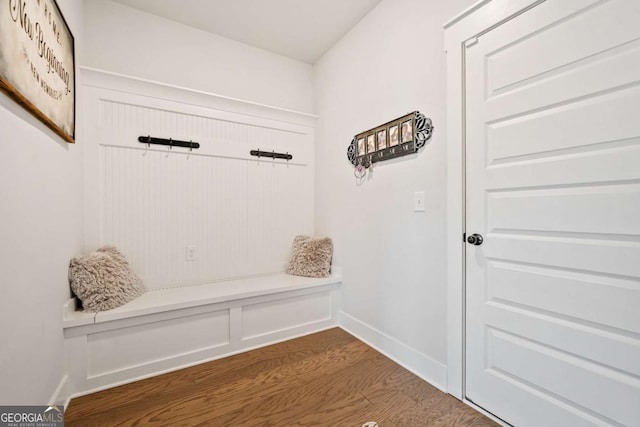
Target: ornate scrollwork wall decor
x=424 y=129
x=399 y=137
x=351 y=152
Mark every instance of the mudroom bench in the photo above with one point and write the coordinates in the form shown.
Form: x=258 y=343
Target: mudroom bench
x=172 y=328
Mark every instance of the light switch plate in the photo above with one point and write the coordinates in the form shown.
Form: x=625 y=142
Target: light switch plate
x=418 y=201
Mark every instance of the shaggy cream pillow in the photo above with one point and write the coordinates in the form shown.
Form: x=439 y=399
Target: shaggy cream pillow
x=103 y=279
x=311 y=257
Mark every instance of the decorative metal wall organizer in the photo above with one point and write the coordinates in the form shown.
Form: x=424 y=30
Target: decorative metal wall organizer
x=399 y=137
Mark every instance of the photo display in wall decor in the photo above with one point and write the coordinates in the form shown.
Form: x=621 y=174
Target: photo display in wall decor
x=399 y=137
x=37 y=63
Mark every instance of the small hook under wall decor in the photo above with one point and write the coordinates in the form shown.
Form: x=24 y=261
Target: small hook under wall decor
x=359 y=172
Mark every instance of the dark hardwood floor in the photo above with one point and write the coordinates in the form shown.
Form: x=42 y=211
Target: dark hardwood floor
x=325 y=379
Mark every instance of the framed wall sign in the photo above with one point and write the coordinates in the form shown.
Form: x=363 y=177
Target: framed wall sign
x=37 y=62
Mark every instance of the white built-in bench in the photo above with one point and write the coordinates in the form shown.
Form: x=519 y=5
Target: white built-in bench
x=168 y=329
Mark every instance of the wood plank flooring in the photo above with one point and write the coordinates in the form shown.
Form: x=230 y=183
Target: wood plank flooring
x=324 y=379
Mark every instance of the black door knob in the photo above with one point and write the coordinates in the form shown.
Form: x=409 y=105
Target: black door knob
x=475 y=239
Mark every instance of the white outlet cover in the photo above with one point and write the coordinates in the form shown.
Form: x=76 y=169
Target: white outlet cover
x=419 y=201
x=190 y=253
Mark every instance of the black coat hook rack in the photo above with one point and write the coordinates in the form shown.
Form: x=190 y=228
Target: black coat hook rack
x=170 y=142
x=271 y=154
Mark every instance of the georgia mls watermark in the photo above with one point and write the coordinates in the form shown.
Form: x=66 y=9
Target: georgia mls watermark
x=32 y=416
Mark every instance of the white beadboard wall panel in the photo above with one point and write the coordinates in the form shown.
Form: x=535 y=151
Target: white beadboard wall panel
x=239 y=212
x=276 y=200
x=155 y=205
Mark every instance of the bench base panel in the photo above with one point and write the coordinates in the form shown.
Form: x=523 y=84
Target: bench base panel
x=108 y=354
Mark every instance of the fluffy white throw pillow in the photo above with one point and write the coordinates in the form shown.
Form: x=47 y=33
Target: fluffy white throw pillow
x=311 y=257
x=103 y=279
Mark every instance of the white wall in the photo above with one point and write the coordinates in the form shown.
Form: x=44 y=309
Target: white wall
x=393 y=259
x=128 y=41
x=41 y=216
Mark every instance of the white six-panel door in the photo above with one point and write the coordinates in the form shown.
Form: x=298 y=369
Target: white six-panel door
x=553 y=185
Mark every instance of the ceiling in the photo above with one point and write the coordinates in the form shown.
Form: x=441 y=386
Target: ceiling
x=299 y=29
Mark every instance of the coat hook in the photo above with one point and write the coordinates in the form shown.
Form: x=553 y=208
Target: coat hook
x=148 y=141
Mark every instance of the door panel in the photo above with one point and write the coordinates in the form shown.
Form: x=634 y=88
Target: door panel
x=577 y=31
x=543 y=134
x=610 y=209
x=561 y=375
x=553 y=184
x=589 y=256
x=570 y=295
x=606 y=350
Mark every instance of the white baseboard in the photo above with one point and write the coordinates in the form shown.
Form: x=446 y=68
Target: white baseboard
x=409 y=358
x=59 y=396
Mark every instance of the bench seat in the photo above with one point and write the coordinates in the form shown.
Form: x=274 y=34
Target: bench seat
x=175 y=298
